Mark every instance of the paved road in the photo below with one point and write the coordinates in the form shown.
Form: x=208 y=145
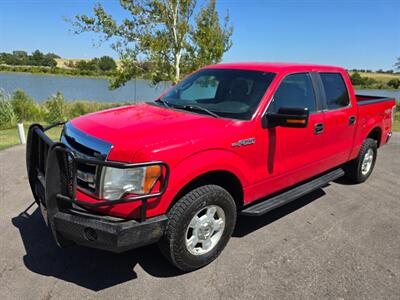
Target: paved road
x=339 y=242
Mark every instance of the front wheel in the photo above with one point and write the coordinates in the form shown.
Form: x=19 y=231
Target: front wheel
x=199 y=227
x=359 y=169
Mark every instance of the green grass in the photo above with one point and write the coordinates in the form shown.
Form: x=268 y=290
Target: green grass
x=9 y=137
x=396 y=125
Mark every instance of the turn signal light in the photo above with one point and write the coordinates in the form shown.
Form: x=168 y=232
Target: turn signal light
x=294 y=121
x=153 y=173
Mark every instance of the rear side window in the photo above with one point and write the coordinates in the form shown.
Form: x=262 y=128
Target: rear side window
x=296 y=91
x=335 y=90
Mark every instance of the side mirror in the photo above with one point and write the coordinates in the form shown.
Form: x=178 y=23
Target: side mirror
x=286 y=117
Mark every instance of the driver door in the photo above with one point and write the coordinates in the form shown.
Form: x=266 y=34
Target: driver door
x=289 y=155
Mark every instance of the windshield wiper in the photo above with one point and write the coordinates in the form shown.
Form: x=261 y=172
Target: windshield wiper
x=187 y=107
x=164 y=102
x=196 y=107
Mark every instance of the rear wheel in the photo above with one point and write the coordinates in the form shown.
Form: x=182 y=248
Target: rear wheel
x=359 y=169
x=199 y=227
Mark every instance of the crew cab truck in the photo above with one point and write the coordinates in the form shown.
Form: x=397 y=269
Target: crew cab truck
x=229 y=139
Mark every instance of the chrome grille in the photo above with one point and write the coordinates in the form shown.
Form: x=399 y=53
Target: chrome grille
x=86 y=178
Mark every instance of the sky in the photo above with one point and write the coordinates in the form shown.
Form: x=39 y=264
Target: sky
x=348 y=33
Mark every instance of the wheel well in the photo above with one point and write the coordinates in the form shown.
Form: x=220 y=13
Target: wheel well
x=224 y=179
x=376 y=135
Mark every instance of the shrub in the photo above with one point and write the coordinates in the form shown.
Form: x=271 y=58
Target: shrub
x=368 y=81
x=7 y=115
x=56 y=109
x=394 y=83
x=356 y=79
x=398 y=107
x=25 y=107
x=78 y=108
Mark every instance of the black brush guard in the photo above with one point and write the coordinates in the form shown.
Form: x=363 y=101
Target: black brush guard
x=52 y=173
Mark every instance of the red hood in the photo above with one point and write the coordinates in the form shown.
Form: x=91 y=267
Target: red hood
x=131 y=128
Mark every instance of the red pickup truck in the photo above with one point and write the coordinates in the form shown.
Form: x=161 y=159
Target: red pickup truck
x=229 y=139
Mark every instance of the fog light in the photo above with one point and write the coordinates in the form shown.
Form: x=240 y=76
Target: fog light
x=90 y=234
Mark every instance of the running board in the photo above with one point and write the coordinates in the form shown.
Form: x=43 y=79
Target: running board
x=269 y=204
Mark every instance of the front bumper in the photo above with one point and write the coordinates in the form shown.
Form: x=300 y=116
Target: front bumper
x=105 y=233
x=52 y=176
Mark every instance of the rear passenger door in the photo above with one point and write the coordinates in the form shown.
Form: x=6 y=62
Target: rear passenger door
x=340 y=118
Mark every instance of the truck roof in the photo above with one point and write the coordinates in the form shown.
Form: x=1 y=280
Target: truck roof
x=276 y=66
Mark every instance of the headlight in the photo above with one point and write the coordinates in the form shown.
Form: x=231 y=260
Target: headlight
x=117 y=182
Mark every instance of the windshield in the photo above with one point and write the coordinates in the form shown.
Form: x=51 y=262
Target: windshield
x=226 y=93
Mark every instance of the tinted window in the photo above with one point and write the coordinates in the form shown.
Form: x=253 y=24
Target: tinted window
x=335 y=90
x=226 y=92
x=295 y=91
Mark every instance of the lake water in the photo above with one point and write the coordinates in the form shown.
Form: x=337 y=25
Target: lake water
x=40 y=87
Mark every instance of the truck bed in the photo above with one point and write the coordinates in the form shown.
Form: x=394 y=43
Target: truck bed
x=364 y=99
x=374 y=113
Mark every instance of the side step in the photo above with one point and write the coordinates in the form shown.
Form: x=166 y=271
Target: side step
x=269 y=204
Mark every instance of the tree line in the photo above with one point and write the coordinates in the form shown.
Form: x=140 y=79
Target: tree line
x=22 y=58
x=102 y=64
x=380 y=71
x=369 y=82
x=40 y=63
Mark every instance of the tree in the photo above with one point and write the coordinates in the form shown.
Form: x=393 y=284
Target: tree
x=19 y=54
x=356 y=79
x=36 y=58
x=106 y=63
x=49 y=60
x=52 y=55
x=90 y=65
x=166 y=33
x=211 y=40
x=397 y=64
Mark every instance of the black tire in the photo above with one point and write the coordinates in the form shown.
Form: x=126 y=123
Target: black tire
x=173 y=244
x=353 y=168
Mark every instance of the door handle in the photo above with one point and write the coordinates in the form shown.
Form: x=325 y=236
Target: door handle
x=318 y=128
x=352 y=120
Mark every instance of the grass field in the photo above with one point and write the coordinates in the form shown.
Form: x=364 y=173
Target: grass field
x=396 y=125
x=9 y=137
x=63 y=62
x=379 y=76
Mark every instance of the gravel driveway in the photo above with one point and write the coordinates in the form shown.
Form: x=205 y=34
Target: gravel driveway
x=342 y=241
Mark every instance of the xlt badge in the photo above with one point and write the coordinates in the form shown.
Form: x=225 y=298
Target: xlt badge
x=244 y=142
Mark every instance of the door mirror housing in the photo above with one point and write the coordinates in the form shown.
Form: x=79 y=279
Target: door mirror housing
x=294 y=117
